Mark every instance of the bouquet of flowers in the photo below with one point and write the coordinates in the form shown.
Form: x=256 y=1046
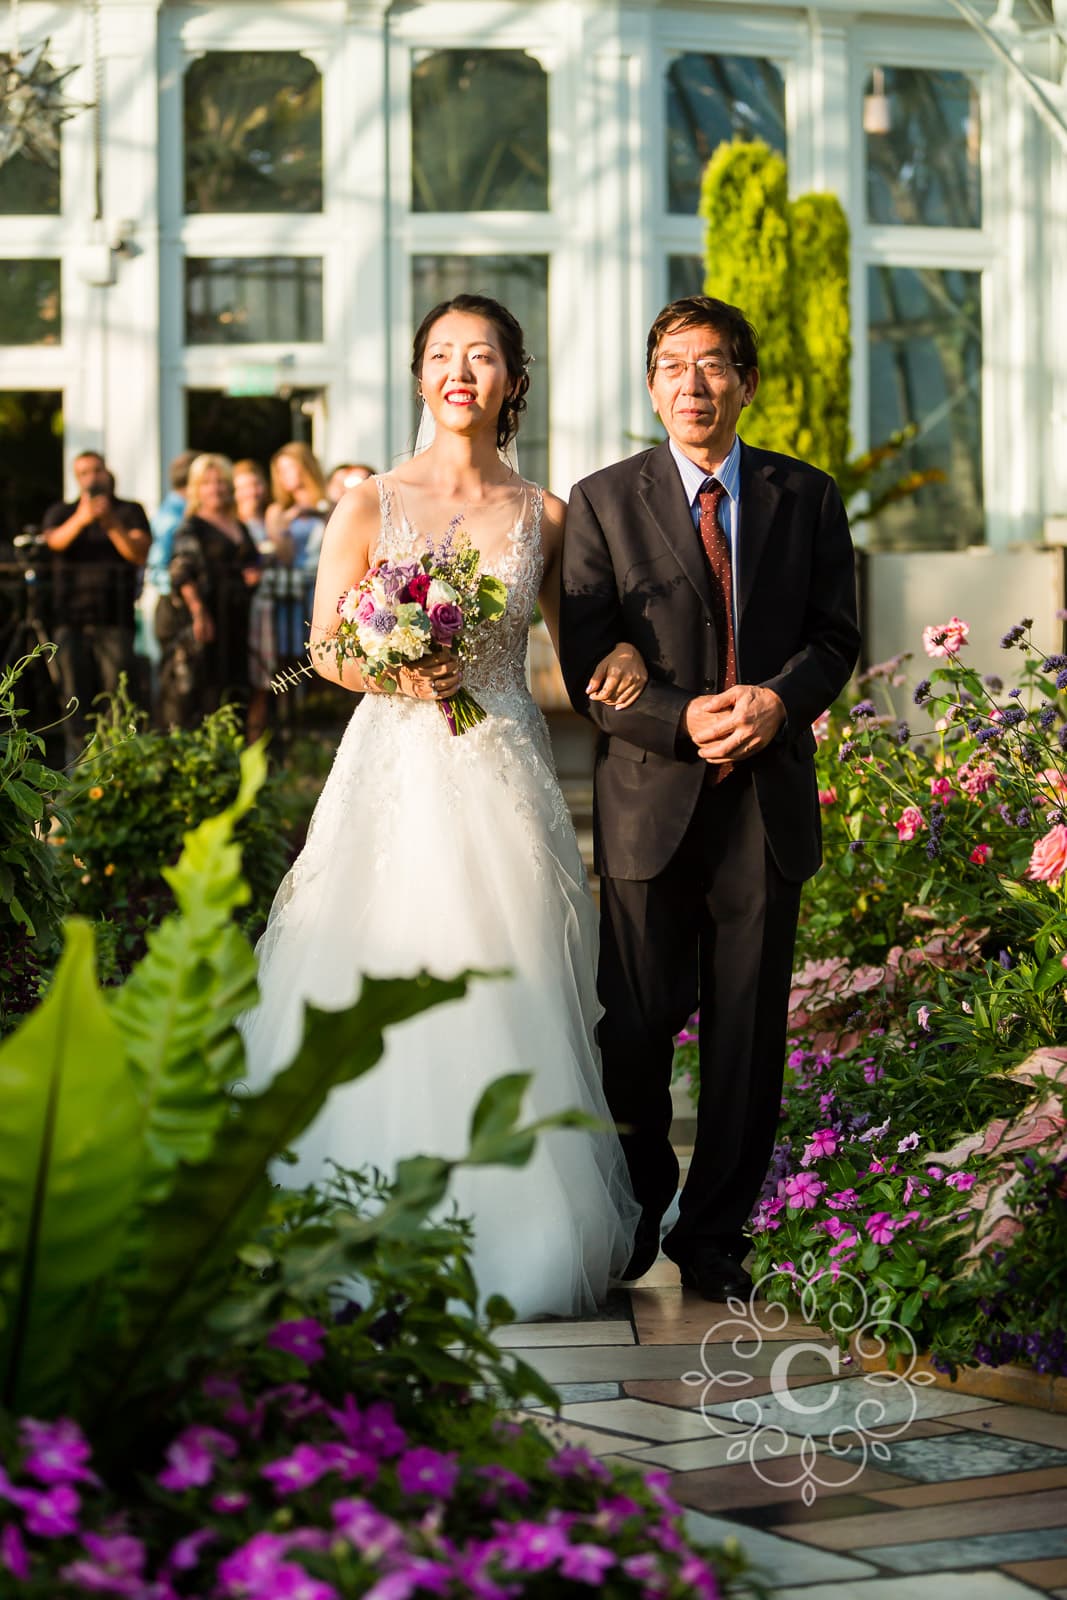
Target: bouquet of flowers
x=405 y=611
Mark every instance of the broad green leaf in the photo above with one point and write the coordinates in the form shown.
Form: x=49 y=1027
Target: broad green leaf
x=492 y=597
x=499 y=1107
x=70 y=1163
x=27 y=800
x=212 y=1209
x=179 y=1007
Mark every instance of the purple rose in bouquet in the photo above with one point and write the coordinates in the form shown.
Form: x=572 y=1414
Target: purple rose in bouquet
x=446 y=620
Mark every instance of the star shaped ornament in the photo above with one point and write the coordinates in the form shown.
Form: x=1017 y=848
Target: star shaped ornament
x=32 y=105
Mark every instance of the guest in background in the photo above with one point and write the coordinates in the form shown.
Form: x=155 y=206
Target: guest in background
x=156 y=577
x=98 y=544
x=346 y=476
x=251 y=495
x=203 y=625
x=295 y=522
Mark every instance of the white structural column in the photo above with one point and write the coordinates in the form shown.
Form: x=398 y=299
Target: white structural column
x=1015 y=366
x=124 y=315
x=357 y=292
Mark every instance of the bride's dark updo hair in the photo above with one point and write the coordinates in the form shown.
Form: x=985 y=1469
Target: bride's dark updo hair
x=512 y=348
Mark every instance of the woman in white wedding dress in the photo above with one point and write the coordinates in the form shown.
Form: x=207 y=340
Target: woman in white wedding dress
x=444 y=853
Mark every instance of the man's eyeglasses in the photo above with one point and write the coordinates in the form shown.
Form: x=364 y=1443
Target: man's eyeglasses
x=707 y=366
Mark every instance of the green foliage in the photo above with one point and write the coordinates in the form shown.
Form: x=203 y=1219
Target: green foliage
x=820 y=278
x=131 y=805
x=32 y=896
x=749 y=249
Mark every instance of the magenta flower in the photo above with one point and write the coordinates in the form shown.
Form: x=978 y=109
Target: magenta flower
x=872 y=1072
x=961 y=1180
x=574 y=1462
x=49 y=1513
x=698 y=1579
x=880 y=1226
x=381 y=1431
x=910 y=1141
x=586 y=1563
x=979 y=855
x=302 y=1338
x=531 y=1547
x=115 y=1566
x=186 y=1553
x=364 y=1526
x=191 y=1458
x=941 y=789
x=803 y=1190
x=508 y=1482
x=289 y=1474
x=843 y=1200
x=227 y=1505
x=425 y=1471
x=822 y=1143
x=349 y=1462
x=252 y=1565
x=290 y=1582
x=765 y=1218
x=57 y=1451
x=614 y=1513
x=13 y=1553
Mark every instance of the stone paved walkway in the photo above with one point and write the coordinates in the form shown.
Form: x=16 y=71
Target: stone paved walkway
x=952 y=1496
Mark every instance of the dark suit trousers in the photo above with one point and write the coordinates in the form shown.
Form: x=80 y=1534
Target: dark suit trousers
x=717 y=928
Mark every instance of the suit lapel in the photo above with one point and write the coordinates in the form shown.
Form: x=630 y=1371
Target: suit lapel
x=667 y=510
x=760 y=499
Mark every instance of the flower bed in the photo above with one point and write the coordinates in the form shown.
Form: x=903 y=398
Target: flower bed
x=919 y=1185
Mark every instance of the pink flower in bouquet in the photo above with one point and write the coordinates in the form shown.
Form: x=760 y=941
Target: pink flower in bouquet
x=1055 y=782
x=979 y=855
x=364 y=610
x=803 y=1190
x=1048 y=862
x=446 y=620
x=880 y=1226
x=828 y=797
x=941 y=789
x=945 y=638
x=976 y=777
x=908 y=823
x=416 y=590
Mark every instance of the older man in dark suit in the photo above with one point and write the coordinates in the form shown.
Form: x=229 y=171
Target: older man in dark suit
x=731 y=570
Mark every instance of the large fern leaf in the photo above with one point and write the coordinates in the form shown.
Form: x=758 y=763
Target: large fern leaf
x=192 y=1236
x=70 y=1165
x=178 y=1009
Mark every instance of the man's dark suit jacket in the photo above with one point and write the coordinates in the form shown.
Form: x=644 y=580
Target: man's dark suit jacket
x=634 y=569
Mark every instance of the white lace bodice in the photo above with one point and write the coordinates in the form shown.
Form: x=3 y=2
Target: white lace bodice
x=517 y=559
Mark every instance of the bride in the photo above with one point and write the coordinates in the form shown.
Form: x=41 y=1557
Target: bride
x=433 y=851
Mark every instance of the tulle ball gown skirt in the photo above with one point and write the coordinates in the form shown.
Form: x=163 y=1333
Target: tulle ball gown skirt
x=429 y=852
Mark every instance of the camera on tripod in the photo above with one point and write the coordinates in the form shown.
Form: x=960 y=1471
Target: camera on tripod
x=23 y=614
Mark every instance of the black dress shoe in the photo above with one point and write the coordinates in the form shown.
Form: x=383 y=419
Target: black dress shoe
x=645 y=1249
x=714 y=1275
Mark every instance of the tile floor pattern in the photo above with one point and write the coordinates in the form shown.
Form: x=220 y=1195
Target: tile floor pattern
x=949 y=1497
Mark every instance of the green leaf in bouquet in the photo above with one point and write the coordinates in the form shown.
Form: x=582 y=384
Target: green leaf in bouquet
x=179 y=1008
x=70 y=1167
x=492 y=597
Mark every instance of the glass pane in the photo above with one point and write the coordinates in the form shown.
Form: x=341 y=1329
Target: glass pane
x=479 y=131
x=28 y=188
x=29 y=302
x=31 y=461
x=711 y=99
x=924 y=168
x=253 y=300
x=685 y=276
x=253 y=132
x=520 y=283
x=239 y=426
x=926 y=370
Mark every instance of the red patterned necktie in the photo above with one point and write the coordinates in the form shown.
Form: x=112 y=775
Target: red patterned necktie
x=722 y=596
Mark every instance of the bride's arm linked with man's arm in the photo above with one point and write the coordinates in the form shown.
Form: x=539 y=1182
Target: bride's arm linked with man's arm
x=620 y=675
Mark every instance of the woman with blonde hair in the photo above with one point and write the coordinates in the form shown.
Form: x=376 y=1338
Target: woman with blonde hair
x=204 y=629
x=296 y=519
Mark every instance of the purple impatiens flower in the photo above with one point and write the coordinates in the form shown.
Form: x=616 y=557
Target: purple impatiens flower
x=425 y=1471
x=303 y=1338
x=56 y=1452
